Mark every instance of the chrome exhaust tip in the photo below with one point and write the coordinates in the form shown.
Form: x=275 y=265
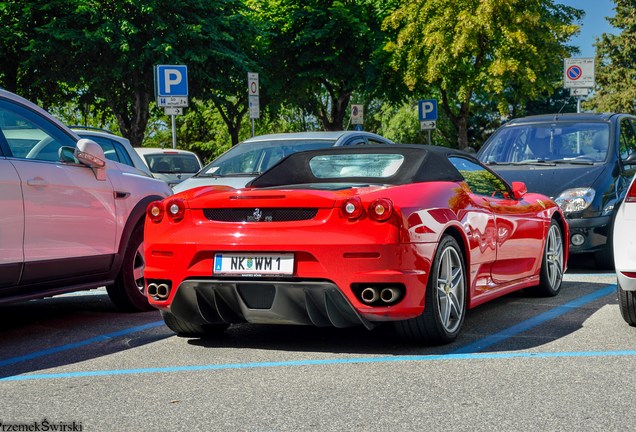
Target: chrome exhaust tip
x=163 y=291
x=152 y=290
x=389 y=295
x=370 y=295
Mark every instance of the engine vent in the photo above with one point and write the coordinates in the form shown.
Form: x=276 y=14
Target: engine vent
x=260 y=214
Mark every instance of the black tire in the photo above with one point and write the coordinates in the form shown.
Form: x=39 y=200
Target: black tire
x=627 y=305
x=445 y=299
x=552 y=264
x=129 y=291
x=185 y=328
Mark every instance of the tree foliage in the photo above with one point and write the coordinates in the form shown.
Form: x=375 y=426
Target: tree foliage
x=105 y=51
x=321 y=52
x=508 y=51
x=616 y=63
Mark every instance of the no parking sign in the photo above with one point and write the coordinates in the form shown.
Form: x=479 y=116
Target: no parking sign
x=578 y=73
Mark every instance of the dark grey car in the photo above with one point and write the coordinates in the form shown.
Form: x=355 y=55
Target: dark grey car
x=583 y=161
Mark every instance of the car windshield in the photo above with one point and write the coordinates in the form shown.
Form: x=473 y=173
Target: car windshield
x=169 y=163
x=251 y=159
x=556 y=142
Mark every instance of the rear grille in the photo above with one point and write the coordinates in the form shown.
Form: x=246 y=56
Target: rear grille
x=260 y=214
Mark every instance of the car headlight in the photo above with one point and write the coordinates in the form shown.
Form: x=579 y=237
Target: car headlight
x=575 y=200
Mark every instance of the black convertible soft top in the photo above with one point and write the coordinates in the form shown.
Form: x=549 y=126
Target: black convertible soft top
x=422 y=163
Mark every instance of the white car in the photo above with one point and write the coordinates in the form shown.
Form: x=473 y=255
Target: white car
x=72 y=219
x=249 y=158
x=171 y=165
x=625 y=253
x=116 y=148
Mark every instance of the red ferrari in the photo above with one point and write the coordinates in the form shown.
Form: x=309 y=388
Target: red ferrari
x=415 y=235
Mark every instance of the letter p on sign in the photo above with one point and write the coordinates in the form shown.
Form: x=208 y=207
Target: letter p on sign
x=427 y=109
x=172 y=80
x=172 y=77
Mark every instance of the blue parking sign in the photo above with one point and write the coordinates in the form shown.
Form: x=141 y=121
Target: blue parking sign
x=427 y=109
x=171 y=80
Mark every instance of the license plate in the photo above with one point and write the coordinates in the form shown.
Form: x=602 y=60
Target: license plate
x=253 y=264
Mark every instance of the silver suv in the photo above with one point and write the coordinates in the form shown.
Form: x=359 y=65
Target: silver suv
x=72 y=219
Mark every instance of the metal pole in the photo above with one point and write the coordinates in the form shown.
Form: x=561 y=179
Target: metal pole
x=174 y=131
x=252 y=127
x=578 y=104
x=429 y=137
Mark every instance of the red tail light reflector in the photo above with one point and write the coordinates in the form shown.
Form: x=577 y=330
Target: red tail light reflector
x=155 y=211
x=381 y=209
x=352 y=208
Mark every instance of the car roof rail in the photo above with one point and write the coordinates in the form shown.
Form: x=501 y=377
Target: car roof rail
x=91 y=128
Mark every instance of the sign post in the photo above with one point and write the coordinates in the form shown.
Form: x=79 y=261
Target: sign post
x=171 y=89
x=253 y=97
x=578 y=76
x=427 y=111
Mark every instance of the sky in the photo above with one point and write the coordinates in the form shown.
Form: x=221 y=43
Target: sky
x=593 y=24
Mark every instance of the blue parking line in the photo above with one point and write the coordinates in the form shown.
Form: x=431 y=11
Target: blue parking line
x=79 y=344
x=526 y=325
x=469 y=351
x=325 y=362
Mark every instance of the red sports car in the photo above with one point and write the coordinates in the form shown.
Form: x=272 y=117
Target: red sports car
x=416 y=235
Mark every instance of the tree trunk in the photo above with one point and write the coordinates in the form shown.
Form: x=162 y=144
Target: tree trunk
x=133 y=118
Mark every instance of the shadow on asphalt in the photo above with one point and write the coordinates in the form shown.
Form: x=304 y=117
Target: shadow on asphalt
x=38 y=327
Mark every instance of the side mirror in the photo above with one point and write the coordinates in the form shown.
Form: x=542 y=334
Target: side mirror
x=91 y=154
x=519 y=189
x=631 y=159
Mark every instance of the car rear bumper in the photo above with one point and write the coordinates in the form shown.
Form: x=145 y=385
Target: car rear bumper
x=627 y=282
x=325 y=289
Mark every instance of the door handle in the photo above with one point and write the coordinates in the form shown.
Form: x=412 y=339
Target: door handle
x=37 y=182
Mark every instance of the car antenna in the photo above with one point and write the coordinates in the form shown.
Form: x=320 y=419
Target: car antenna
x=564 y=104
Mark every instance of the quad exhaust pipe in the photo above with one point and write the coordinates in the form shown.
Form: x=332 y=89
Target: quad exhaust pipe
x=158 y=291
x=388 y=295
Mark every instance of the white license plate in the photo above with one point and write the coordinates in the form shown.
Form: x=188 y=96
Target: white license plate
x=253 y=264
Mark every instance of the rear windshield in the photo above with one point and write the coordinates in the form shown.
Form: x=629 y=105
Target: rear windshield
x=167 y=163
x=369 y=165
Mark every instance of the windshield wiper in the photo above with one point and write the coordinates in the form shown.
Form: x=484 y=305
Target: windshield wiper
x=498 y=163
x=535 y=162
x=231 y=174
x=574 y=161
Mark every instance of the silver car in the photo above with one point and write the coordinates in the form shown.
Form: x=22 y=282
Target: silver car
x=170 y=165
x=248 y=159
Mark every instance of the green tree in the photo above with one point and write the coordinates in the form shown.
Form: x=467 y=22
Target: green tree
x=507 y=51
x=105 y=52
x=322 y=51
x=616 y=63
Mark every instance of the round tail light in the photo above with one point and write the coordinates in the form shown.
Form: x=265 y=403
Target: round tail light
x=352 y=208
x=175 y=209
x=155 y=211
x=381 y=209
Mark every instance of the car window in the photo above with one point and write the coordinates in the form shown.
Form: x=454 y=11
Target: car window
x=255 y=157
x=165 y=163
x=627 y=144
x=338 y=166
x=479 y=179
x=28 y=136
x=112 y=150
x=548 y=141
